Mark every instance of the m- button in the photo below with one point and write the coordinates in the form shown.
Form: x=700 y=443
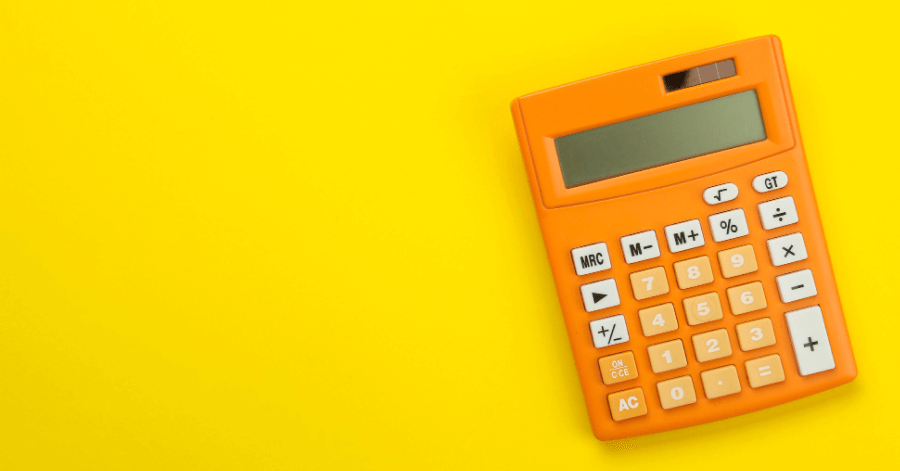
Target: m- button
x=639 y=247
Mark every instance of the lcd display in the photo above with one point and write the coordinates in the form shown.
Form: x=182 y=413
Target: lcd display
x=660 y=138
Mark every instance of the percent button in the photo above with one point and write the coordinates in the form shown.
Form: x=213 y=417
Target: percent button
x=728 y=225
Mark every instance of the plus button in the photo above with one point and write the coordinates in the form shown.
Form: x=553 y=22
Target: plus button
x=811 y=344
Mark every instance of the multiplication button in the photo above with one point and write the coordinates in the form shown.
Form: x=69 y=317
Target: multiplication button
x=810 y=340
x=600 y=295
x=787 y=249
x=728 y=225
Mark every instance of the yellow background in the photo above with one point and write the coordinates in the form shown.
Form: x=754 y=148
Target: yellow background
x=298 y=235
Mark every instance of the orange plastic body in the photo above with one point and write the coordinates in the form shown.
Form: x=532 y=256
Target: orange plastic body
x=651 y=199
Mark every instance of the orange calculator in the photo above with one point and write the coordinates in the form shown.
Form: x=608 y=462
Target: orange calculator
x=683 y=235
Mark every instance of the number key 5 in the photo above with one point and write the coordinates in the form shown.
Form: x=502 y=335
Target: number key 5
x=703 y=308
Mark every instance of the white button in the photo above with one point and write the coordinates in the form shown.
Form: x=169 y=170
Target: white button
x=591 y=258
x=787 y=249
x=720 y=193
x=810 y=340
x=609 y=331
x=640 y=246
x=778 y=213
x=600 y=295
x=684 y=235
x=728 y=225
x=796 y=285
x=770 y=181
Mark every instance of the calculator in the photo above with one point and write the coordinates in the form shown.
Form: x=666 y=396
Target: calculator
x=684 y=239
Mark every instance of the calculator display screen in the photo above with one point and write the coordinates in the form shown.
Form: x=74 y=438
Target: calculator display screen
x=660 y=138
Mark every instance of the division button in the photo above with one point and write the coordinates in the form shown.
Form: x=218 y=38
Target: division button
x=810 y=340
x=639 y=247
x=787 y=249
x=591 y=259
x=720 y=193
x=770 y=181
x=795 y=286
x=728 y=225
x=778 y=213
x=600 y=295
x=609 y=331
x=684 y=235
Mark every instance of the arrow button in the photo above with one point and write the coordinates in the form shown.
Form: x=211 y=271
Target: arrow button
x=600 y=295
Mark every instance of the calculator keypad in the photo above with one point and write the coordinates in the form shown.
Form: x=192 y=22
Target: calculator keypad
x=711 y=345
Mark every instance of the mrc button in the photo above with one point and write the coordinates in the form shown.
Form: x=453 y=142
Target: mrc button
x=591 y=258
